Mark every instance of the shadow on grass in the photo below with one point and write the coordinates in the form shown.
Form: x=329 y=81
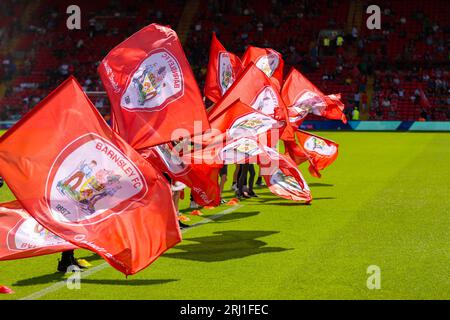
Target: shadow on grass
x=285 y=204
x=57 y=276
x=234 y=216
x=129 y=282
x=318 y=184
x=225 y=245
x=46 y=278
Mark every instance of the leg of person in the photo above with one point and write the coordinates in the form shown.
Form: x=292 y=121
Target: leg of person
x=251 y=180
x=223 y=179
x=176 y=199
x=193 y=204
x=67 y=260
x=236 y=177
x=241 y=181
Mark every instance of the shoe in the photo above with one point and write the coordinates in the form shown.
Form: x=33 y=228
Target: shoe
x=259 y=182
x=223 y=201
x=182 y=225
x=194 y=205
x=252 y=194
x=63 y=266
x=234 y=187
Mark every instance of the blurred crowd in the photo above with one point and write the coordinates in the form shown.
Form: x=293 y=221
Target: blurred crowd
x=402 y=63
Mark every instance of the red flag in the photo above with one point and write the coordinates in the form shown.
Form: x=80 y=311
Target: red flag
x=152 y=88
x=321 y=152
x=302 y=97
x=239 y=120
x=201 y=178
x=267 y=60
x=254 y=89
x=283 y=177
x=223 y=69
x=227 y=151
x=84 y=183
x=21 y=236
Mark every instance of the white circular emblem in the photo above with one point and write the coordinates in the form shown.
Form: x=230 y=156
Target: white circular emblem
x=268 y=63
x=157 y=82
x=92 y=179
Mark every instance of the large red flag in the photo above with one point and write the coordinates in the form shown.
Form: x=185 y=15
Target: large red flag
x=239 y=120
x=255 y=89
x=319 y=151
x=201 y=178
x=21 y=236
x=283 y=177
x=152 y=88
x=84 y=183
x=302 y=97
x=223 y=69
x=267 y=60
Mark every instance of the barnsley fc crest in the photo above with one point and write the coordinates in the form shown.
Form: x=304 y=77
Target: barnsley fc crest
x=226 y=76
x=266 y=101
x=251 y=124
x=157 y=82
x=268 y=63
x=92 y=179
x=29 y=234
x=319 y=146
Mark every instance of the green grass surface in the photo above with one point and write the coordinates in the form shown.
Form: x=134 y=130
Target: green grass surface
x=384 y=202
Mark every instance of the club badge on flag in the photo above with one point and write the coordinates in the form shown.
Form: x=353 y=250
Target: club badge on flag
x=254 y=89
x=223 y=69
x=240 y=120
x=84 y=183
x=283 y=177
x=21 y=236
x=268 y=61
x=152 y=88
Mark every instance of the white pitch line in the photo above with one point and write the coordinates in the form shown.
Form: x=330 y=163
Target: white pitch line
x=85 y=274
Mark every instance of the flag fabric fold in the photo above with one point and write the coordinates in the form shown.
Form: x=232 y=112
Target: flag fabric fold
x=268 y=61
x=302 y=97
x=84 y=183
x=152 y=89
x=21 y=236
x=223 y=69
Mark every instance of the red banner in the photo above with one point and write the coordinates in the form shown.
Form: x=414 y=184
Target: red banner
x=302 y=97
x=267 y=60
x=21 y=236
x=283 y=177
x=254 y=89
x=321 y=152
x=223 y=69
x=152 y=88
x=84 y=183
x=239 y=120
x=201 y=178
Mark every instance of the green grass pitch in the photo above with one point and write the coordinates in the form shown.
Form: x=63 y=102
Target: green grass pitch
x=384 y=202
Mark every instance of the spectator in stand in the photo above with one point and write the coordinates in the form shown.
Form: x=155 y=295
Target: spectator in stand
x=355 y=114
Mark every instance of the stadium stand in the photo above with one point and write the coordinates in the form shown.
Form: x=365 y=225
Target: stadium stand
x=394 y=73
